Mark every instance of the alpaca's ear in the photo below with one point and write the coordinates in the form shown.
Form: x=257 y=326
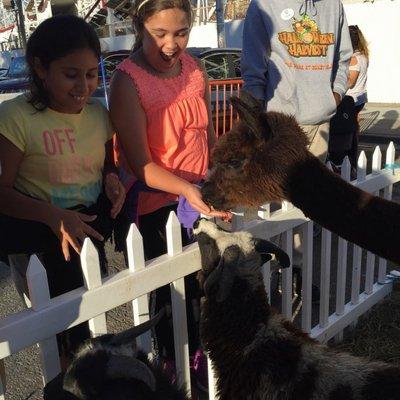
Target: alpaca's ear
x=250 y=110
x=265 y=247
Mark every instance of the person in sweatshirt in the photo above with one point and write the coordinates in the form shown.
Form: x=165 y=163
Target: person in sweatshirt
x=295 y=58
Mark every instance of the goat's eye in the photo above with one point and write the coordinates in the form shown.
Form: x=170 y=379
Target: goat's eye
x=235 y=163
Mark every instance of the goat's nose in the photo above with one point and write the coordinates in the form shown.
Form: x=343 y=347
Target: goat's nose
x=197 y=222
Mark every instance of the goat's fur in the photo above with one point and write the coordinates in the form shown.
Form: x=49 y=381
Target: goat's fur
x=256 y=353
x=265 y=158
x=110 y=367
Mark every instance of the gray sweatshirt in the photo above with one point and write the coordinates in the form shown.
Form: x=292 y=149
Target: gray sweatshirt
x=295 y=54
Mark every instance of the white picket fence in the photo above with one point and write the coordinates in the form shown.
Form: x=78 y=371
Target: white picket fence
x=46 y=317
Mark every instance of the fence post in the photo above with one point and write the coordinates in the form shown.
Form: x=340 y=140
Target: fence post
x=134 y=244
x=287 y=275
x=356 y=274
x=342 y=253
x=306 y=270
x=39 y=295
x=264 y=212
x=387 y=194
x=326 y=246
x=91 y=280
x=178 y=298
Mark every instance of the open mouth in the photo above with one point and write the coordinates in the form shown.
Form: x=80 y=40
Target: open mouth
x=79 y=98
x=168 y=56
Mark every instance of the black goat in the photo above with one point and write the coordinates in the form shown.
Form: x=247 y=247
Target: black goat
x=110 y=367
x=256 y=353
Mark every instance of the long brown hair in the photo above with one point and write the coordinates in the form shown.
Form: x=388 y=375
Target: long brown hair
x=144 y=9
x=358 y=40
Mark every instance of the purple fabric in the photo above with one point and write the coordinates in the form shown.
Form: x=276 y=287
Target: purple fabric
x=185 y=212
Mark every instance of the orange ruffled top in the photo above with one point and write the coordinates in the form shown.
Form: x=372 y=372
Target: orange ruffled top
x=177 y=122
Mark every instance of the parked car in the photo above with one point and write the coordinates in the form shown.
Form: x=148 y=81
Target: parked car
x=222 y=63
x=16 y=79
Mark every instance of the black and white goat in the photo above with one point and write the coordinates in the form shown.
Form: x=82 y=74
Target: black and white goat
x=256 y=353
x=110 y=367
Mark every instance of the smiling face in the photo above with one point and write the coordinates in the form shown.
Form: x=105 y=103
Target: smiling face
x=165 y=37
x=70 y=80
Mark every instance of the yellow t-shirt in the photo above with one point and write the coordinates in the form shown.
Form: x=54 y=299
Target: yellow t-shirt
x=63 y=153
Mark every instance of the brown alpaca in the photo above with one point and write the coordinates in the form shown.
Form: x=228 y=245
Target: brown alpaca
x=265 y=158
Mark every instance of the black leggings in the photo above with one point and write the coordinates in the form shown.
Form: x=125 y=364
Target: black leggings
x=29 y=237
x=152 y=229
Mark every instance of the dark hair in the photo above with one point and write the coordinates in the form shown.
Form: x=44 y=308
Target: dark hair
x=358 y=40
x=53 y=39
x=144 y=9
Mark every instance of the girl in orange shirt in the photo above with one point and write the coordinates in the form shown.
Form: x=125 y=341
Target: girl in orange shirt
x=159 y=107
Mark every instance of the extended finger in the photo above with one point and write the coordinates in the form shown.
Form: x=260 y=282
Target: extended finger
x=86 y=217
x=91 y=232
x=65 y=249
x=73 y=242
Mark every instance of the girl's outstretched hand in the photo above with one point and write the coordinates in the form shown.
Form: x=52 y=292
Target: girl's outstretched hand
x=115 y=192
x=193 y=196
x=71 y=228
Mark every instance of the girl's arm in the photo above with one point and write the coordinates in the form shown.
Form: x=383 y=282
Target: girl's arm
x=353 y=74
x=68 y=226
x=129 y=121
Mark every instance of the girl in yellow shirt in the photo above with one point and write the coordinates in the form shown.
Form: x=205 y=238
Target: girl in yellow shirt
x=58 y=183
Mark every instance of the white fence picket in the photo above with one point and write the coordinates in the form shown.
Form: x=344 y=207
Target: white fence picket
x=357 y=251
x=287 y=275
x=264 y=212
x=39 y=295
x=361 y=167
x=307 y=267
x=342 y=254
x=91 y=280
x=326 y=243
x=140 y=306
x=178 y=299
x=387 y=194
x=356 y=275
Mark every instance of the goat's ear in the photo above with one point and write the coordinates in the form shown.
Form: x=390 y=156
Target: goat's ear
x=250 y=111
x=224 y=274
x=263 y=246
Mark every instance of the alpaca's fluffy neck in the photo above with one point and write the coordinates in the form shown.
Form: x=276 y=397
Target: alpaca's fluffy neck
x=368 y=221
x=228 y=327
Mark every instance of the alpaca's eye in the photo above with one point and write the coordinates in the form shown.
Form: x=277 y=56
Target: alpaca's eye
x=235 y=163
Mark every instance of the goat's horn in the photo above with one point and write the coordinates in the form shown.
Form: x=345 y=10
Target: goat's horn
x=250 y=110
x=130 y=335
x=120 y=366
x=264 y=246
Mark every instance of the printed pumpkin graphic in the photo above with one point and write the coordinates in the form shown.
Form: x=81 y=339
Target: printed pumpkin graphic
x=304 y=28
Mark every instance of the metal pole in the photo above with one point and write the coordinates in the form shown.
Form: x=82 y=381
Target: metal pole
x=21 y=23
x=219 y=9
